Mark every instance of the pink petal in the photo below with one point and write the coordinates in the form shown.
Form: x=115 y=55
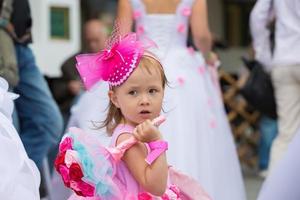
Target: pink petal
x=201 y=70
x=65 y=145
x=213 y=123
x=181 y=28
x=86 y=189
x=180 y=80
x=144 y=196
x=191 y=50
x=210 y=102
x=165 y=197
x=137 y=14
x=140 y=30
x=71 y=157
x=186 y=11
x=64 y=171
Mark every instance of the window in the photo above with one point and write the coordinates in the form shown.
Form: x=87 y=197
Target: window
x=59 y=23
x=237 y=13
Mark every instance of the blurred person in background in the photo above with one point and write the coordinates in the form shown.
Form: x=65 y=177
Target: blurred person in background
x=20 y=178
x=284 y=64
x=40 y=123
x=268 y=126
x=68 y=89
x=284 y=180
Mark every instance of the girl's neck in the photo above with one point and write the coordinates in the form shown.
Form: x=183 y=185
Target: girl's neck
x=127 y=122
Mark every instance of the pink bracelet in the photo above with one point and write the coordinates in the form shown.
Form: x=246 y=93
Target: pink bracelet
x=157 y=148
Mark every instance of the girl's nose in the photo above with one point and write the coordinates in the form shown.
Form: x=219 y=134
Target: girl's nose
x=144 y=100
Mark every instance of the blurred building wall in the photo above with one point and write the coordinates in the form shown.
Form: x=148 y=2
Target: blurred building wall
x=51 y=51
x=228 y=21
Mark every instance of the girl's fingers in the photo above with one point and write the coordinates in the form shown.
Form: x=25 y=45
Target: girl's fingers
x=138 y=132
x=135 y=134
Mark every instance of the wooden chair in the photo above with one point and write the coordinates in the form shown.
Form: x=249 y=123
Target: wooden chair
x=243 y=119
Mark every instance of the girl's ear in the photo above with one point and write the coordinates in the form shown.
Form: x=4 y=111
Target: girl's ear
x=113 y=98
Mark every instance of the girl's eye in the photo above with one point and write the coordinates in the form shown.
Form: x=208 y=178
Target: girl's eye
x=153 y=91
x=133 y=92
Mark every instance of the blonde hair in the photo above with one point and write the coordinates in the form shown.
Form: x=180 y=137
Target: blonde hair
x=114 y=114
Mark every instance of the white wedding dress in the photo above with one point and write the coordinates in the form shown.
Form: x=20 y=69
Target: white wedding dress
x=20 y=178
x=200 y=139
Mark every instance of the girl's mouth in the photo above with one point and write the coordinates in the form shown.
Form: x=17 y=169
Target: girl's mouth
x=145 y=114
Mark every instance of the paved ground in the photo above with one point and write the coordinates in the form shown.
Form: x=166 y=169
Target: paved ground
x=253 y=184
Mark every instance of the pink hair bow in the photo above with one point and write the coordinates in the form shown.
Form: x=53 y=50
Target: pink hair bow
x=114 y=64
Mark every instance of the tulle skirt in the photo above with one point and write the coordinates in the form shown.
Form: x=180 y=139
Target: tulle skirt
x=20 y=178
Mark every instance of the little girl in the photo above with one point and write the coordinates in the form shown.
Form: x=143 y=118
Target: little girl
x=137 y=81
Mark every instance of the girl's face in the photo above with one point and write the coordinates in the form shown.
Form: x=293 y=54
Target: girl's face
x=140 y=96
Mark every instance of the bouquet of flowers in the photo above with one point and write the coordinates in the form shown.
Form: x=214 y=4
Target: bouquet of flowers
x=85 y=166
x=89 y=168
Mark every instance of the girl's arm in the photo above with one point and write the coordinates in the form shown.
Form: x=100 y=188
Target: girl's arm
x=153 y=178
x=124 y=16
x=200 y=29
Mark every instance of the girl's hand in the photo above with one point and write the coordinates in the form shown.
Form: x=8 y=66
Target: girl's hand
x=146 y=132
x=211 y=58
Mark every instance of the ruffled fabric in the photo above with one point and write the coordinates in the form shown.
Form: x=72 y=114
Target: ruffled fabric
x=20 y=178
x=114 y=64
x=6 y=99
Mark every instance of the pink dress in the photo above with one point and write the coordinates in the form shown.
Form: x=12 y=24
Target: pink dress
x=135 y=191
x=122 y=172
x=179 y=186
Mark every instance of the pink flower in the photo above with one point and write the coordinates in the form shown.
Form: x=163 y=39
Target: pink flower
x=80 y=187
x=140 y=30
x=144 y=196
x=71 y=157
x=137 y=14
x=201 y=70
x=60 y=160
x=213 y=123
x=180 y=80
x=64 y=171
x=65 y=144
x=86 y=189
x=181 y=28
x=75 y=172
x=210 y=102
x=186 y=11
x=165 y=197
x=191 y=50
x=75 y=188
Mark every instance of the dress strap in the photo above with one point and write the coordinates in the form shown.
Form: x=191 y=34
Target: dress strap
x=118 y=151
x=138 y=5
x=122 y=128
x=183 y=6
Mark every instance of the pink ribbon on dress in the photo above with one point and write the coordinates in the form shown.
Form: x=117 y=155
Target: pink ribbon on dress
x=118 y=151
x=157 y=148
